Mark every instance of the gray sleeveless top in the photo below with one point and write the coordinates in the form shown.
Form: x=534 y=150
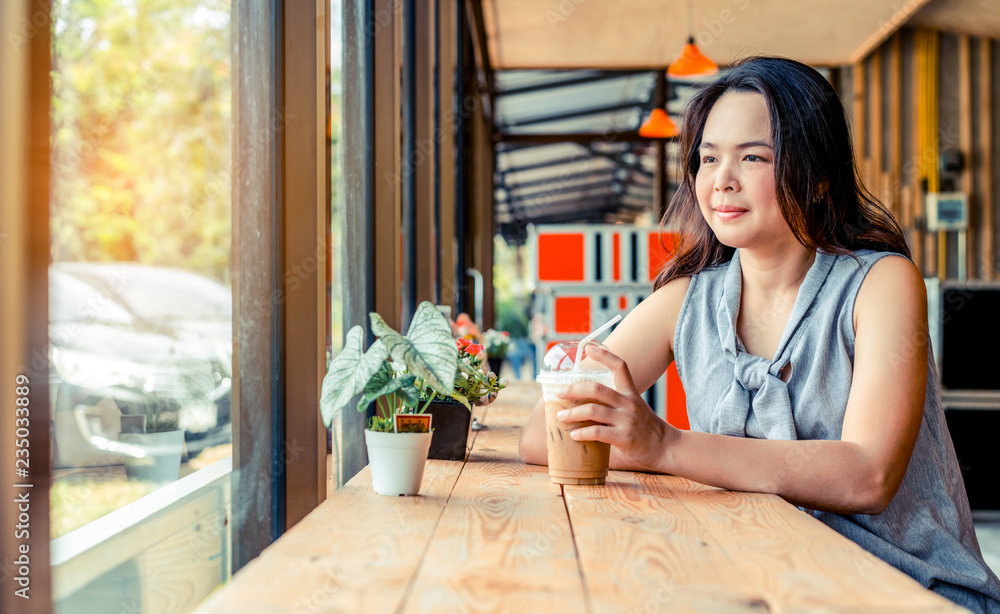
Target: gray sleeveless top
x=927 y=530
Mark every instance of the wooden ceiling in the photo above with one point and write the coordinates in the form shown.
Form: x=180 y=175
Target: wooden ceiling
x=973 y=17
x=651 y=33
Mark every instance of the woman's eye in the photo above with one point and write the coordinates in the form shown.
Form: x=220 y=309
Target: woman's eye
x=707 y=159
x=754 y=158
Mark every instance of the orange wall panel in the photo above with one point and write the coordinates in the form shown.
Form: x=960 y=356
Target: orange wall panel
x=676 y=401
x=561 y=257
x=660 y=254
x=572 y=314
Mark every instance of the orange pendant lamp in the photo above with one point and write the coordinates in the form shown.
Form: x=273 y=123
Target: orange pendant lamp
x=658 y=125
x=692 y=63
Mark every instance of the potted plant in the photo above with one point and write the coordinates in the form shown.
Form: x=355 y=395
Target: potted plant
x=496 y=343
x=157 y=444
x=452 y=413
x=387 y=374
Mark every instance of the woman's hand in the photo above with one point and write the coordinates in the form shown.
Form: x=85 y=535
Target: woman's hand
x=625 y=420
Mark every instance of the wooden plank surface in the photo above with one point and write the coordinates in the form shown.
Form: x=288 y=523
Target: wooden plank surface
x=355 y=553
x=504 y=542
x=662 y=541
x=800 y=563
x=495 y=535
x=638 y=544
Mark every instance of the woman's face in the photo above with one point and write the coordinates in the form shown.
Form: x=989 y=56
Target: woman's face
x=735 y=181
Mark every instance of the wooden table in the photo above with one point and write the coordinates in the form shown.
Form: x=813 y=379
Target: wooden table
x=493 y=534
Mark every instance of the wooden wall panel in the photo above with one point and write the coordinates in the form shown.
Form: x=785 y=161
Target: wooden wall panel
x=305 y=210
x=895 y=119
x=423 y=163
x=24 y=256
x=877 y=136
x=987 y=201
x=965 y=145
x=919 y=153
x=921 y=93
x=859 y=127
x=387 y=237
x=447 y=43
x=480 y=227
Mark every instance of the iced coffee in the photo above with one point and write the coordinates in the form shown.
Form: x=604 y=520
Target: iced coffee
x=571 y=461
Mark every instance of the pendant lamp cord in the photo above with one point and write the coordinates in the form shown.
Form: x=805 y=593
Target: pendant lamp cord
x=690 y=13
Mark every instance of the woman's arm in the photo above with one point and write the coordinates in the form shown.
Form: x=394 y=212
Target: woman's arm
x=644 y=340
x=858 y=474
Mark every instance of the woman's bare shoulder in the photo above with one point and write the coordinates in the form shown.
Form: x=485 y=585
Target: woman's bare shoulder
x=893 y=284
x=890 y=274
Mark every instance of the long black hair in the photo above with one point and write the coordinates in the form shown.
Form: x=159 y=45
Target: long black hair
x=816 y=180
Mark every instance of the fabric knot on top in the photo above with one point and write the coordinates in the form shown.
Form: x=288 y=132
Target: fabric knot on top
x=751 y=371
x=757 y=394
x=754 y=388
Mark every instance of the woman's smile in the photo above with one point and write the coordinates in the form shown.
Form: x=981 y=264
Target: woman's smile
x=729 y=212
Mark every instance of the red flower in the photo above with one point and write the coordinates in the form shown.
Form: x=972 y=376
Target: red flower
x=462 y=343
x=473 y=349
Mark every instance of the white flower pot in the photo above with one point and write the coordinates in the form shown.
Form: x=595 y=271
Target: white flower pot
x=397 y=461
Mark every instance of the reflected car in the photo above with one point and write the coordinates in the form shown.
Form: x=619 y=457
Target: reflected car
x=150 y=340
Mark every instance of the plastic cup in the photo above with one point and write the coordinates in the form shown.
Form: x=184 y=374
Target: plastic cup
x=571 y=461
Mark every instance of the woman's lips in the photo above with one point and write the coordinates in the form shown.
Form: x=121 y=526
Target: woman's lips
x=728 y=212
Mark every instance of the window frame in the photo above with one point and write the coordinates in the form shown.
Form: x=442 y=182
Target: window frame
x=280 y=218
x=24 y=260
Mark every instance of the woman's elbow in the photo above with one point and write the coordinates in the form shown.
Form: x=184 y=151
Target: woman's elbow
x=876 y=494
x=532 y=449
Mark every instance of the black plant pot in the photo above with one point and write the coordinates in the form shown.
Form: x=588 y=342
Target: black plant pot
x=496 y=364
x=452 y=424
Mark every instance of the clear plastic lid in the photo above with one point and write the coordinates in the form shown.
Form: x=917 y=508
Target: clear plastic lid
x=557 y=367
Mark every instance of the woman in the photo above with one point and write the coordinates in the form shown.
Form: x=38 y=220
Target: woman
x=799 y=329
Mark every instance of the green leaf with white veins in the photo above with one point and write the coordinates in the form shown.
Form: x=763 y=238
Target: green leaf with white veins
x=428 y=350
x=383 y=383
x=349 y=373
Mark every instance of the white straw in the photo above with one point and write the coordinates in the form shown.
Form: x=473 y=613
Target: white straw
x=590 y=337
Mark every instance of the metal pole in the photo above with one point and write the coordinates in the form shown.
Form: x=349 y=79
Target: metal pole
x=478 y=291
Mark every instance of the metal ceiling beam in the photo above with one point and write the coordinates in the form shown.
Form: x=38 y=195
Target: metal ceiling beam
x=566 y=208
x=564 y=178
x=579 y=137
x=574 y=114
x=559 y=206
x=594 y=215
x=603 y=75
x=579 y=158
x=617 y=159
x=557 y=202
x=557 y=189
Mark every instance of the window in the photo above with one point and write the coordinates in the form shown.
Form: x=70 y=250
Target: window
x=140 y=326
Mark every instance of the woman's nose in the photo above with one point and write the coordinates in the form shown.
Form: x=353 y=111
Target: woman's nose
x=726 y=182
x=726 y=185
